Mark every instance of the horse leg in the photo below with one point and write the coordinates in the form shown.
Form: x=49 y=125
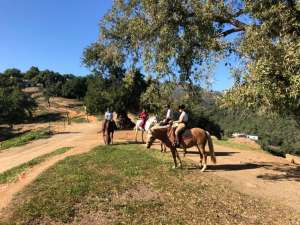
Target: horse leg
x=143 y=136
x=136 y=133
x=108 y=137
x=173 y=151
x=177 y=155
x=112 y=138
x=163 y=147
x=201 y=156
x=104 y=138
x=202 y=148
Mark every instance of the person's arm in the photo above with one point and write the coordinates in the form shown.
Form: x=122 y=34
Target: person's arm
x=181 y=117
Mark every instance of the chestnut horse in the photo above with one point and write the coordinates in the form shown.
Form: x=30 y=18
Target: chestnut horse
x=198 y=137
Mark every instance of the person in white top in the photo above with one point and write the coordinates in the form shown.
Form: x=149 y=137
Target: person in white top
x=169 y=115
x=108 y=115
x=182 y=122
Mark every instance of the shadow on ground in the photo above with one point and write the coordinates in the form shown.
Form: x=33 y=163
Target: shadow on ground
x=283 y=172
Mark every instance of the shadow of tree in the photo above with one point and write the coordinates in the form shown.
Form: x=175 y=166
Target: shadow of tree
x=216 y=153
x=8 y=132
x=47 y=117
x=234 y=167
x=283 y=172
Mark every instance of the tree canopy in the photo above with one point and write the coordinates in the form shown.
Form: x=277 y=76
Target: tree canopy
x=182 y=39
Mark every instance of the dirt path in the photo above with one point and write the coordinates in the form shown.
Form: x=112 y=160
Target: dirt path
x=251 y=172
x=257 y=173
x=82 y=137
x=73 y=136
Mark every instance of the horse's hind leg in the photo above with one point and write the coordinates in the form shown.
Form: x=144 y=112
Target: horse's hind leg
x=143 y=137
x=202 y=148
x=205 y=158
x=112 y=138
x=201 y=156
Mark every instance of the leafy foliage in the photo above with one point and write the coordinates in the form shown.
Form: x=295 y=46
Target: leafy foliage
x=182 y=40
x=120 y=92
x=15 y=104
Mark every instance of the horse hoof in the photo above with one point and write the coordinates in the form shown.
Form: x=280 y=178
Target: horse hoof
x=174 y=167
x=204 y=167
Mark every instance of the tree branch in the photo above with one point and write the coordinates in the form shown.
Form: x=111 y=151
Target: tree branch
x=230 y=31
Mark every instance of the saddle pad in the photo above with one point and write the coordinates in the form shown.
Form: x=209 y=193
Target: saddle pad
x=187 y=134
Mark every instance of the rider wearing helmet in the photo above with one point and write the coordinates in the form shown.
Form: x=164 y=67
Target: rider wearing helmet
x=182 y=123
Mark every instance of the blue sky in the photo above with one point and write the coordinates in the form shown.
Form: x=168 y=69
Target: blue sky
x=51 y=34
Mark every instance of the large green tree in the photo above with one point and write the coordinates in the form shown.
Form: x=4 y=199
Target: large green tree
x=15 y=105
x=120 y=91
x=180 y=38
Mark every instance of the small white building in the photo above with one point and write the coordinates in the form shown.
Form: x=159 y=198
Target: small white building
x=253 y=137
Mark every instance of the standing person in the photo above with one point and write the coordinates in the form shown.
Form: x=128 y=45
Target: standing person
x=182 y=123
x=143 y=116
x=169 y=115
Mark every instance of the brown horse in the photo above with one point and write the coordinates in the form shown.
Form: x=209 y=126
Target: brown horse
x=198 y=137
x=108 y=130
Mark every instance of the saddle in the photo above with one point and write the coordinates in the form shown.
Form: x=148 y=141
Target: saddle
x=187 y=134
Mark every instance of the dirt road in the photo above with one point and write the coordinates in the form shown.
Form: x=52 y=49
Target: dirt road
x=251 y=172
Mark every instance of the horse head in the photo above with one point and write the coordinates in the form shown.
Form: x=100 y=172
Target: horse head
x=156 y=132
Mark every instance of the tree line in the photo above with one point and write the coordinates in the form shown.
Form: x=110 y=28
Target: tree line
x=128 y=91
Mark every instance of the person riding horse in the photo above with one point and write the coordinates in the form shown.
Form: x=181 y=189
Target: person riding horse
x=169 y=115
x=108 y=127
x=108 y=116
x=181 y=125
x=143 y=116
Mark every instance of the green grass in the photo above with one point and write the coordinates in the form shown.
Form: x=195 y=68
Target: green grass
x=127 y=184
x=25 y=138
x=11 y=174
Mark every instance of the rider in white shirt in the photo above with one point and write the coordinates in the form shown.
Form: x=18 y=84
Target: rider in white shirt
x=169 y=115
x=108 y=115
x=182 y=123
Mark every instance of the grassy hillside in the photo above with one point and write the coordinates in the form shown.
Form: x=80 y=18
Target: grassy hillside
x=125 y=184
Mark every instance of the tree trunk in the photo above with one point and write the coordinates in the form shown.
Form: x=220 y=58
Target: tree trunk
x=123 y=122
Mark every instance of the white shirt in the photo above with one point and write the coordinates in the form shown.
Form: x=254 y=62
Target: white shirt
x=183 y=117
x=108 y=116
x=169 y=114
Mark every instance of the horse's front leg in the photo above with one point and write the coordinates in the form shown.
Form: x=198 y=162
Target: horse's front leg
x=143 y=137
x=104 y=138
x=112 y=137
x=173 y=151
x=177 y=155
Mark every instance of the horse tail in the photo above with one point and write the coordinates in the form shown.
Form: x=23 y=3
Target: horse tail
x=211 y=148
